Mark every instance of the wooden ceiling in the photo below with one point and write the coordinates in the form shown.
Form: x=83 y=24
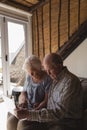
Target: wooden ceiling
x=27 y=5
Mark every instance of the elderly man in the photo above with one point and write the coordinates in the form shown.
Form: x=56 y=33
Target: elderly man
x=64 y=108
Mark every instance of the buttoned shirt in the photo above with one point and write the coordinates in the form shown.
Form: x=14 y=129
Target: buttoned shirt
x=64 y=100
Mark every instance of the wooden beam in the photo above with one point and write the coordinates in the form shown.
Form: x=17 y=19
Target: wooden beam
x=33 y=34
x=74 y=41
x=23 y=7
x=37 y=31
x=43 y=33
x=3 y=0
x=78 y=13
x=59 y=19
x=28 y=2
x=50 y=24
x=39 y=4
x=32 y=1
x=68 y=19
x=16 y=5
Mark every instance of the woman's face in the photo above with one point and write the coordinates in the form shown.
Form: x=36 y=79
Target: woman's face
x=33 y=73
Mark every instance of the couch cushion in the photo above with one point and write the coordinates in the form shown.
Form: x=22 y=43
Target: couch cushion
x=84 y=86
x=85 y=119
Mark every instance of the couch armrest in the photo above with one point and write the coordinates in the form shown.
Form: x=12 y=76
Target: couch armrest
x=85 y=119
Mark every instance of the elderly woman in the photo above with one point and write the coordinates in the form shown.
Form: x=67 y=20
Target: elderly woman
x=34 y=95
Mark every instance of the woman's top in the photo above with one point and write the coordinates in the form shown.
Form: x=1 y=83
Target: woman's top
x=36 y=91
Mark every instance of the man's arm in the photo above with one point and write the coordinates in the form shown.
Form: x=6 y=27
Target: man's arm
x=42 y=115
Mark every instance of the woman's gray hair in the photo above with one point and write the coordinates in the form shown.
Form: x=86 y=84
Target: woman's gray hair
x=32 y=62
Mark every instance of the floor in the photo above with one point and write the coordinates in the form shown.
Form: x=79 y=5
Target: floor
x=5 y=106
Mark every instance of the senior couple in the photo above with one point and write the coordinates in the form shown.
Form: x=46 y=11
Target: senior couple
x=52 y=97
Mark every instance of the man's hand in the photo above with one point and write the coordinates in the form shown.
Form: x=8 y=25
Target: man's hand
x=21 y=113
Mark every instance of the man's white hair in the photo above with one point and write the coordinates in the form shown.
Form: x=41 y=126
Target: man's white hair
x=32 y=62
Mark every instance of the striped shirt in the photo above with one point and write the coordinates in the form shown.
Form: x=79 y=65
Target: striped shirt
x=64 y=101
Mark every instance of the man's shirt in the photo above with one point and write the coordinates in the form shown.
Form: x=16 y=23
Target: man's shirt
x=64 y=100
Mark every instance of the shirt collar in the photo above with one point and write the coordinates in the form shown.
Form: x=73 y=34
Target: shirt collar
x=61 y=74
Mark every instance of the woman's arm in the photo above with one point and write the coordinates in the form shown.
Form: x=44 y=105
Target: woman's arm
x=23 y=100
x=43 y=104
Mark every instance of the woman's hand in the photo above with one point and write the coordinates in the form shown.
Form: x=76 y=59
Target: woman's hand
x=23 y=105
x=21 y=113
x=41 y=105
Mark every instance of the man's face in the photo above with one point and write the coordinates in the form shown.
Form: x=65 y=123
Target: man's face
x=52 y=71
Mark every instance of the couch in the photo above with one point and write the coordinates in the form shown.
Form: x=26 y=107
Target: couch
x=84 y=86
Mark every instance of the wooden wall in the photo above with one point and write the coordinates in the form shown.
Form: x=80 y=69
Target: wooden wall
x=54 y=23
